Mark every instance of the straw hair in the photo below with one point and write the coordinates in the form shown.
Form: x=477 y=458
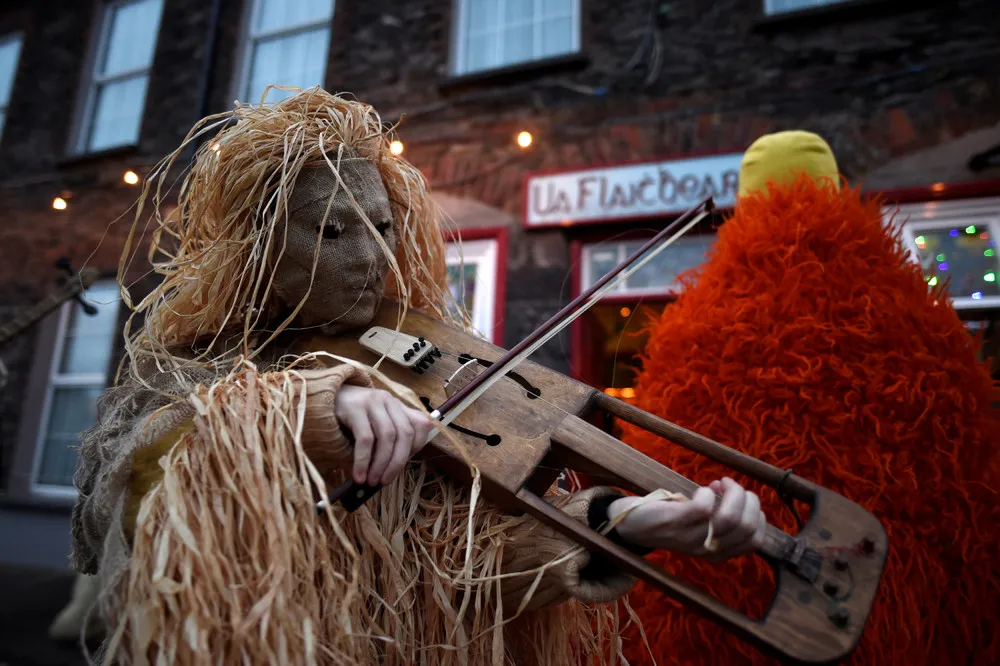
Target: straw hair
x=231 y=562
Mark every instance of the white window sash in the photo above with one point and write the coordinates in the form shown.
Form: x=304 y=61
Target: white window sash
x=95 y=81
x=253 y=37
x=462 y=33
x=483 y=254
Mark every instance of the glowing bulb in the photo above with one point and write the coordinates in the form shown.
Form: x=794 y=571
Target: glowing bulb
x=971 y=229
x=59 y=203
x=988 y=253
x=932 y=281
x=524 y=139
x=613 y=392
x=937 y=187
x=921 y=240
x=953 y=232
x=940 y=257
x=990 y=277
x=396 y=147
x=131 y=177
x=628 y=393
x=943 y=266
x=976 y=295
x=625 y=312
x=984 y=236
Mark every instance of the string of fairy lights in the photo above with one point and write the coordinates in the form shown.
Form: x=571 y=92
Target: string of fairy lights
x=940 y=262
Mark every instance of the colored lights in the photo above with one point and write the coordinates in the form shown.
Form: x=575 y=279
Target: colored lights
x=953 y=232
x=628 y=393
x=943 y=266
x=977 y=295
x=971 y=229
x=988 y=252
x=940 y=257
x=921 y=242
x=625 y=312
x=990 y=277
x=984 y=236
x=933 y=281
x=396 y=147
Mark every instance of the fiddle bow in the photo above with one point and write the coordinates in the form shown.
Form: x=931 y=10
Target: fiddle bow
x=827 y=574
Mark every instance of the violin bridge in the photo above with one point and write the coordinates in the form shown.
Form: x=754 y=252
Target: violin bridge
x=405 y=350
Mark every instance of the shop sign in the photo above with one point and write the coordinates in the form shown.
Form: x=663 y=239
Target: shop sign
x=630 y=191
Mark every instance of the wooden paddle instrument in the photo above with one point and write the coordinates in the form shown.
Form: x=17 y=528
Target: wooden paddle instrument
x=522 y=424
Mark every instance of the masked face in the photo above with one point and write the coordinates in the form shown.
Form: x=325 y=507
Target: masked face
x=350 y=273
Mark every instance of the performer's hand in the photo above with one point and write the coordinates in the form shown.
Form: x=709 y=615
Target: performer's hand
x=737 y=521
x=386 y=432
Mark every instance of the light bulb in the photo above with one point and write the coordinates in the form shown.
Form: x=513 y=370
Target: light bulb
x=131 y=177
x=396 y=147
x=59 y=203
x=524 y=139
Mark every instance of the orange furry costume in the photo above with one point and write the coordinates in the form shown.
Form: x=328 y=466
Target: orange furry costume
x=811 y=341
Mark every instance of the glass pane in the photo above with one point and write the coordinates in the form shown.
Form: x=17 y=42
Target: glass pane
x=557 y=37
x=518 y=44
x=90 y=338
x=601 y=262
x=131 y=36
x=3 y=117
x=118 y=113
x=965 y=255
x=519 y=11
x=481 y=52
x=299 y=60
x=661 y=273
x=278 y=14
x=553 y=7
x=483 y=15
x=72 y=411
x=9 y=51
x=778 y=6
x=462 y=281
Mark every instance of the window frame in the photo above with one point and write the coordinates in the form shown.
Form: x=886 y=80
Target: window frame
x=91 y=81
x=487 y=248
x=247 y=41
x=458 y=43
x=935 y=215
x=36 y=407
x=4 y=109
x=622 y=290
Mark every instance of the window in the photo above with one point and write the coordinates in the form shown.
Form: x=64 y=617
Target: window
x=956 y=242
x=287 y=45
x=116 y=94
x=657 y=277
x=474 y=281
x=496 y=33
x=10 y=49
x=783 y=6
x=77 y=376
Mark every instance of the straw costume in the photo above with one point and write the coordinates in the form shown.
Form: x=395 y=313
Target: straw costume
x=811 y=341
x=198 y=485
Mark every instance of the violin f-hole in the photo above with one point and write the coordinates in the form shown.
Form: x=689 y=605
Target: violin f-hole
x=532 y=391
x=491 y=440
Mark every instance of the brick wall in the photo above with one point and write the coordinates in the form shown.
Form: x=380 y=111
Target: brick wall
x=894 y=79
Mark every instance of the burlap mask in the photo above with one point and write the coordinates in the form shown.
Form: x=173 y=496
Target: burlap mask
x=350 y=272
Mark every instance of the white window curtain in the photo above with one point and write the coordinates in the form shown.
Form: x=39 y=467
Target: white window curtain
x=116 y=96
x=490 y=34
x=287 y=44
x=783 y=6
x=10 y=50
x=78 y=375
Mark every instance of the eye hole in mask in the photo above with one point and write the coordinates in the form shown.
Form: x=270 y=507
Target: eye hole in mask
x=330 y=232
x=382 y=228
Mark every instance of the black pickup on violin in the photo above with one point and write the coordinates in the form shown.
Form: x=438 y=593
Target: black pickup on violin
x=520 y=433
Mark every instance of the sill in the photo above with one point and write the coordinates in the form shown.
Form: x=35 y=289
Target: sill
x=77 y=159
x=517 y=73
x=816 y=17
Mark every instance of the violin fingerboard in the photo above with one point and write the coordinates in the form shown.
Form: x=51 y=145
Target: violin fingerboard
x=400 y=348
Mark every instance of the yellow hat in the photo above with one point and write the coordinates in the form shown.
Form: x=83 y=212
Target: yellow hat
x=781 y=157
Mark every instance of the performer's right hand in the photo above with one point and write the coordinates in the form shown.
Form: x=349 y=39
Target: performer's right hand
x=387 y=433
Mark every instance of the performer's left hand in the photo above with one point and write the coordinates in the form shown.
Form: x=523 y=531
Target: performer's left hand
x=737 y=521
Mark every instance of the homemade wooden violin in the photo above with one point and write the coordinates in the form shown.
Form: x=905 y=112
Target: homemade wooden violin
x=522 y=424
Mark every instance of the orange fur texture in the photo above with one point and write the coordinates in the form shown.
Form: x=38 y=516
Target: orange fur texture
x=810 y=341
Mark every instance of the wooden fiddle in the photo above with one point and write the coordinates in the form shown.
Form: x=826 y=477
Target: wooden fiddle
x=531 y=424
